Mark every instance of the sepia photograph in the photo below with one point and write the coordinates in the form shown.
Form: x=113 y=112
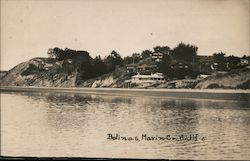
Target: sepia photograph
x=123 y=79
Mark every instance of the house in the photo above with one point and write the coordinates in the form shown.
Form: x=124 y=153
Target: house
x=153 y=78
x=244 y=62
x=157 y=56
x=131 y=68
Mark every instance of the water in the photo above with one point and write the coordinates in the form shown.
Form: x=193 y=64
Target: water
x=73 y=125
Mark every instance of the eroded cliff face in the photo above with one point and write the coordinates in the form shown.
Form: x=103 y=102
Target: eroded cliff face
x=114 y=79
x=46 y=72
x=234 y=79
x=40 y=72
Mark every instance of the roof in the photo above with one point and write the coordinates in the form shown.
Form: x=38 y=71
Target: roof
x=156 y=75
x=157 y=53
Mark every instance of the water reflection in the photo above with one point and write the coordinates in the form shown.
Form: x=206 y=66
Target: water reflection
x=77 y=125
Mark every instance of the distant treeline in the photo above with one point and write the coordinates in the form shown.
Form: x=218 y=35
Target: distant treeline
x=89 y=67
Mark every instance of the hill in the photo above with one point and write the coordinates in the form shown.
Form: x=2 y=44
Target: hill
x=48 y=72
x=235 y=79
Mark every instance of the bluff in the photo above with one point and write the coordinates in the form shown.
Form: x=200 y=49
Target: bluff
x=235 y=79
x=49 y=72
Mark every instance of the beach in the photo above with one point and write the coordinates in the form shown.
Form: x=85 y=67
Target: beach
x=215 y=94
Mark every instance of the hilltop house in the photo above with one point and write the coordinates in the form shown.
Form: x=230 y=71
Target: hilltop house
x=157 y=56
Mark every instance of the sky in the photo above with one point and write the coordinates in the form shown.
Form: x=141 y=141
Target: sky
x=30 y=27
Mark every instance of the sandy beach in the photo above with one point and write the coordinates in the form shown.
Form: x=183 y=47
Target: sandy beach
x=215 y=94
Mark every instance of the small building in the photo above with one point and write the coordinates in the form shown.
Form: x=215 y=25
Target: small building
x=153 y=78
x=244 y=62
x=157 y=56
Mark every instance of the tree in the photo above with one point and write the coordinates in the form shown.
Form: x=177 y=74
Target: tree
x=55 y=52
x=162 y=49
x=98 y=66
x=187 y=53
x=136 y=57
x=113 y=60
x=60 y=54
x=146 y=53
x=128 y=60
x=233 y=61
x=219 y=57
x=163 y=67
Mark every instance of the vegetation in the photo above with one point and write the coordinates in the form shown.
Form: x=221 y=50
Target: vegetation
x=185 y=52
x=177 y=63
x=86 y=66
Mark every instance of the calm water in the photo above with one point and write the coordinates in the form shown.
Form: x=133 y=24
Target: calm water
x=47 y=124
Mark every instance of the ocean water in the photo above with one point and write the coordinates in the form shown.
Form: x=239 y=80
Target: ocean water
x=105 y=126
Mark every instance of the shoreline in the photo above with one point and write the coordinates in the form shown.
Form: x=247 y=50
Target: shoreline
x=215 y=94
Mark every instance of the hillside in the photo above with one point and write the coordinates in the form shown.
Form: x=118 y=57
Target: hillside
x=46 y=72
x=2 y=74
x=40 y=72
x=113 y=79
x=51 y=72
x=235 y=79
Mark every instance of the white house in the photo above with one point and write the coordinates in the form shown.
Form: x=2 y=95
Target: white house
x=153 y=78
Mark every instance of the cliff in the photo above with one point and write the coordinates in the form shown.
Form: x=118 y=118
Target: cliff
x=47 y=72
x=40 y=72
x=235 y=79
x=113 y=79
